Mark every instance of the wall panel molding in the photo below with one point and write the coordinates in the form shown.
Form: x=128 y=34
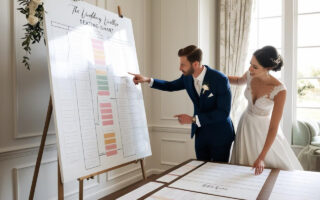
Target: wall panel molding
x=171 y=129
x=121 y=184
x=29 y=87
x=173 y=140
x=23 y=151
x=177 y=31
x=167 y=145
x=16 y=180
x=74 y=192
x=131 y=168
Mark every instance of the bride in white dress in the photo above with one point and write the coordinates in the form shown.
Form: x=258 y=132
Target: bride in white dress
x=259 y=140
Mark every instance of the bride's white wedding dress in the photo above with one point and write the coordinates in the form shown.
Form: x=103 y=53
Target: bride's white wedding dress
x=252 y=132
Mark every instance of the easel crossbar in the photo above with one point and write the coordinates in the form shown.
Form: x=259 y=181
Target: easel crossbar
x=113 y=168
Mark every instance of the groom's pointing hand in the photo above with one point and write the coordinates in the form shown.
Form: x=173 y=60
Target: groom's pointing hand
x=137 y=78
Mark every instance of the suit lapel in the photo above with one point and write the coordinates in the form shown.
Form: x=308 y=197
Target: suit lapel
x=205 y=82
x=193 y=92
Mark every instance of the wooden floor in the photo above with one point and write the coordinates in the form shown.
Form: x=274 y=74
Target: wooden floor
x=129 y=188
x=134 y=186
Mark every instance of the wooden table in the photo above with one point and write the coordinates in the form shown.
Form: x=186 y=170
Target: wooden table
x=263 y=195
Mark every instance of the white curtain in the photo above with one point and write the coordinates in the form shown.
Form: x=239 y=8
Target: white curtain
x=235 y=19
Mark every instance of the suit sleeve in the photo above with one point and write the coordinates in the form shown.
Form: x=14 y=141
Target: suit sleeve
x=169 y=86
x=221 y=113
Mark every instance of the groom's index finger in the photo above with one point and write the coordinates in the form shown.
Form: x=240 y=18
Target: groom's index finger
x=132 y=74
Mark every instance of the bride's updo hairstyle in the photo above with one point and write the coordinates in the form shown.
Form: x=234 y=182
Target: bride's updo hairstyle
x=268 y=57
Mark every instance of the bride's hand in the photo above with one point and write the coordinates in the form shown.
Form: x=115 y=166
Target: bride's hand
x=259 y=166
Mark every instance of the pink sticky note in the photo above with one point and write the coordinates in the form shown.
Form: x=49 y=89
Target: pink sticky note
x=111 y=153
x=105 y=111
x=99 y=62
x=102 y=105
x=97 y=46
x=104 y=93
x=94 y=41
x=106 y=123
x=107 y=117
x=111 y=147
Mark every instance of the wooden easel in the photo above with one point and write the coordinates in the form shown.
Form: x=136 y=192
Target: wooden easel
x=60 y=184
x=40 y=153
x=91 y=176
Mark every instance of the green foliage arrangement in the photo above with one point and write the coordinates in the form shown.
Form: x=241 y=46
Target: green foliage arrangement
x=33 y=10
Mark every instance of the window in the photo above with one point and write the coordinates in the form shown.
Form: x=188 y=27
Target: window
x=308 y=62
x=266 y=27
x=292 y=27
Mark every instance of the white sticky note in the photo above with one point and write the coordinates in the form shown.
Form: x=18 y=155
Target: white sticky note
x=141 y=191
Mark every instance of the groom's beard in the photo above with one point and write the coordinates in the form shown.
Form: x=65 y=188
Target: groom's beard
x=189 y=72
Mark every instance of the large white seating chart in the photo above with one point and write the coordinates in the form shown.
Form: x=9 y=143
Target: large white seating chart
x=99 y=112
x=225 y=180
x=175 y=194
x=296 y=185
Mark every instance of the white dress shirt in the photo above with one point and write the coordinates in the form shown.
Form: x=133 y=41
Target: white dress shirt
x=198 y=81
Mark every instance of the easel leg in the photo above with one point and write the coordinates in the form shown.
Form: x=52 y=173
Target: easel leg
x=43 y=140
x=142 y=168
x=60 y=184
x=80 y=189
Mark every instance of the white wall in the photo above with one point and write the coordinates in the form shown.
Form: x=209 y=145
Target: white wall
x=208 y=34
x=161 y=27
x=18 y=152
x=176 y=24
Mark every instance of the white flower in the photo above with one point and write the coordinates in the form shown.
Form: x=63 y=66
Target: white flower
x=32 y=6
x=38 y=2
x=32 y=12
x=33 y=20
x=205 y=87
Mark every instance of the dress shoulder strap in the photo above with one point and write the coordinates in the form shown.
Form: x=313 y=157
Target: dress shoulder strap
x=276 y=90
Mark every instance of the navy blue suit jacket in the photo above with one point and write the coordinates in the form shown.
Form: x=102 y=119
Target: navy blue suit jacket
x=213 y=112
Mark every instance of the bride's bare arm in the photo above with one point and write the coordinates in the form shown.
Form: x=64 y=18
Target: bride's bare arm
x=237 y=80
x=279 y=101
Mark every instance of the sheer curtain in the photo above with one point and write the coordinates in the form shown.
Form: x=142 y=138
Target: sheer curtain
x=235 y=19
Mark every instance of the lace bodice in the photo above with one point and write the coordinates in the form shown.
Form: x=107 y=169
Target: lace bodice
x=263 y=105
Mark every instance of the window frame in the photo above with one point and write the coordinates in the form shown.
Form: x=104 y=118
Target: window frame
x=289 y=49
x=290 y=44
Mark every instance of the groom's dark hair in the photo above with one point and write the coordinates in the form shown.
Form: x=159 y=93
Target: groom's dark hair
x=192 y=52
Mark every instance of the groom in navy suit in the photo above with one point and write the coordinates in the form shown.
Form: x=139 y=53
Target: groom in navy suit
x=210 y=93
